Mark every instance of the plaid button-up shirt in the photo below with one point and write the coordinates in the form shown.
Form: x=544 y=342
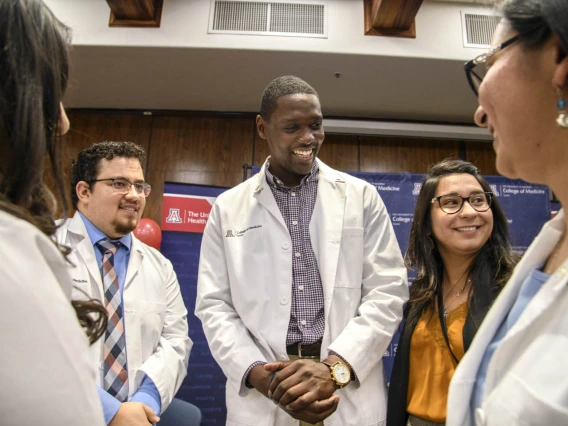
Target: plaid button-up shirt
x=296 y=204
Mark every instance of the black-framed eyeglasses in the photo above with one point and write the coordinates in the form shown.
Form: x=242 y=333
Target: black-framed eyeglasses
x=453 y=203
x=475 y=75
x=122 y=186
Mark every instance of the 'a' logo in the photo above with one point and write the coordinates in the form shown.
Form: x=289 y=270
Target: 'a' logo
x=494 y=189
x=173 y=216
x=229 y=234
x=417 y=188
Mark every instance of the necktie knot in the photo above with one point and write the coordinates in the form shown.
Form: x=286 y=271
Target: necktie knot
x=106 y=246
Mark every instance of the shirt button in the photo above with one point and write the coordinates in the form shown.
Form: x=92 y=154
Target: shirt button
x=285 y=246
x=297 y=254
x=293 y=194
x=300 y=287
x=303 y=322
x=294 y=222
x=283 y=301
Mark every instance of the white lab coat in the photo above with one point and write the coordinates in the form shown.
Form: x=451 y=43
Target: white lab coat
x=157 y=341
x=45 y=373
x=527 y=379
x=245 y=286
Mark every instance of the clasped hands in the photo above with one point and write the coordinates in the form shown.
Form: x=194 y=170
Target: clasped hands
x=303 y=388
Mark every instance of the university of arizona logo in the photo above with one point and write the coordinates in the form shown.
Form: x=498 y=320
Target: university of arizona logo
x=494 y=189
x=229 y=233
x=173 y=216
x=417 y=188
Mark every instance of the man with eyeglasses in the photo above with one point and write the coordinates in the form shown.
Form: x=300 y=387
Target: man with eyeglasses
x=142 y=358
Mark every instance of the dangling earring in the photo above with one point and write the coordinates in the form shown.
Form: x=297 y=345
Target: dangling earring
x=562 y=119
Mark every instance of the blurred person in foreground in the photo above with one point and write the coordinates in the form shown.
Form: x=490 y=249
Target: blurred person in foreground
x=515 y=370
x=45 y=372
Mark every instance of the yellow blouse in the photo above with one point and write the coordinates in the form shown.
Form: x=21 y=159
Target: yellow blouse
x=431 y=364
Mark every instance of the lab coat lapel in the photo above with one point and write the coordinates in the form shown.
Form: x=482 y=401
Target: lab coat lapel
x=136 y=256
x=80 y=241
x=326 y=228
x=265 y=198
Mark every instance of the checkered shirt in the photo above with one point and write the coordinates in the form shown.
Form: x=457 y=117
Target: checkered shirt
x=296 y=204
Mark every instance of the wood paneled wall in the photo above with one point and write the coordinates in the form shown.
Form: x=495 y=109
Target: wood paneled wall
x=212 y=149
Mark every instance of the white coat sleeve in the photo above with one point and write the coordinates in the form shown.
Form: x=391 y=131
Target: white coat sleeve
x=229 y=340
x=45 y=371
x=167 y=366
x=384 y=290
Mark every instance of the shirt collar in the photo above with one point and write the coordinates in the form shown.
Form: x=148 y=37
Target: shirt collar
x=96 y=235
x=274 y=182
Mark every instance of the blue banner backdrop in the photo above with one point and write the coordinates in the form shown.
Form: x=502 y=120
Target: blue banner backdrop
x=526 y=206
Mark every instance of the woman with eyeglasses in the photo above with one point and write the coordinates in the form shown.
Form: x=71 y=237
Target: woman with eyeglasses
x=516 y=369
x=45 y=372
x=459 y=246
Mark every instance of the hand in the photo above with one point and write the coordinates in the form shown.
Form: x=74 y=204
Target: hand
x=134 y=414
x=317 y=411
x=260 y=379
x=300 y=383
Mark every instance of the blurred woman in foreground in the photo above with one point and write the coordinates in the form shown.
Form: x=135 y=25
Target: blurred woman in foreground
x=515 y=370
x=45 y=374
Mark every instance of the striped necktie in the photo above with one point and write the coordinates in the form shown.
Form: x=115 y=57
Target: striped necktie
x=115 y=371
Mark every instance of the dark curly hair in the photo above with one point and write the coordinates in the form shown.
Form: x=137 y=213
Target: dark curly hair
x=87 y=166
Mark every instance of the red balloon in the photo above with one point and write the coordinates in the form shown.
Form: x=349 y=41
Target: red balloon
x=149 y=233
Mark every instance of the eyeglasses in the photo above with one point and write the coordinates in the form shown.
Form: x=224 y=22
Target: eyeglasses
x=452 y=203
x=475 y=75
x=122 y=186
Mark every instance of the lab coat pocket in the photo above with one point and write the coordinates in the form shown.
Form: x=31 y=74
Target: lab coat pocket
x=350 y=262
x=151 y=316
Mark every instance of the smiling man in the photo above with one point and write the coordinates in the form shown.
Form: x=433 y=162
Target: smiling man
x=318 y=275
x=142 y=358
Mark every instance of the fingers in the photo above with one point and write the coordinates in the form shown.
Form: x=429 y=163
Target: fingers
x=324 y=405
x=317 y=411
x=288 y=370
x=317 y=399
x=285 y=379
x=299 y=394
x=300 y=384
x=150 y=415
x=278 y=365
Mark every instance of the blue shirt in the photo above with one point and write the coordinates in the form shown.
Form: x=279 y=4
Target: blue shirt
x=147 y=393
x=529 y=289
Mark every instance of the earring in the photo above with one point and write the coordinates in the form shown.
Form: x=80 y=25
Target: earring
x=562 y=119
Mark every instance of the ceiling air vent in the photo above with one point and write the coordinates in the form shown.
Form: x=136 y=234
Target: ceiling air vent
x=478 y=29
x=281 y=18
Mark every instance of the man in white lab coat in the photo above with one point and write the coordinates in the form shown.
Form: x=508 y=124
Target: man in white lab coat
x=300 y=264
x=146 y=347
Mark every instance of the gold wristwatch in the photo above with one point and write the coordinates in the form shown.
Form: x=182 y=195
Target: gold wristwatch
x=340 y=373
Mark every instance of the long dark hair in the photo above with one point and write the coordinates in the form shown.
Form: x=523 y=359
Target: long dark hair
x=492 y=265
x=34 y=65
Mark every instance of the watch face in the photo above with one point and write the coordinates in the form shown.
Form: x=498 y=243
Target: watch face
x=342 y=373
